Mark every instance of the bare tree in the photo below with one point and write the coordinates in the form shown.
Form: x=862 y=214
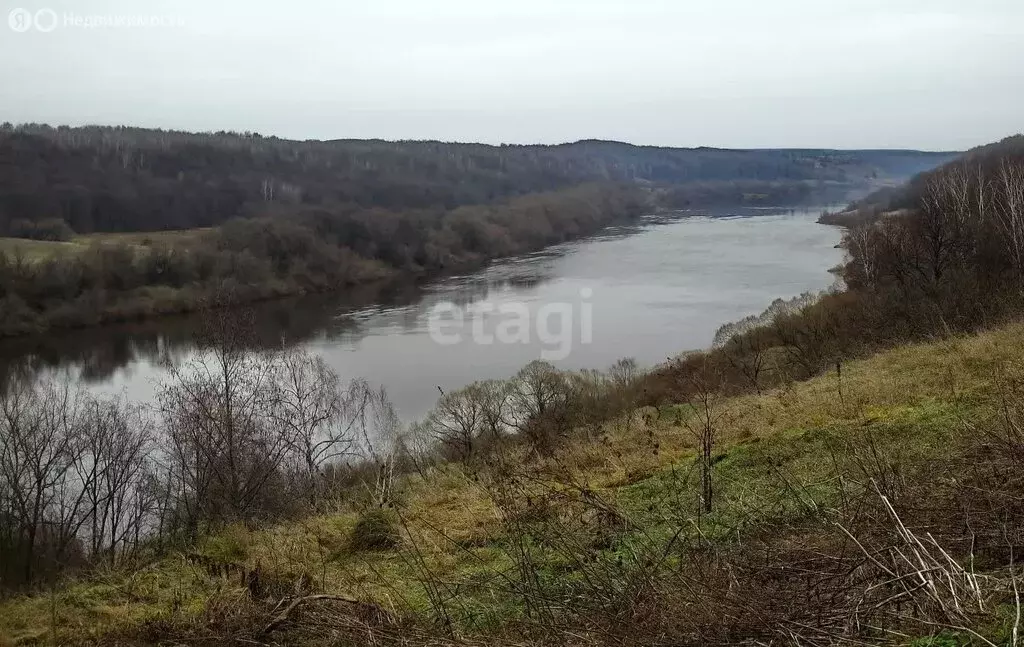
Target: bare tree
x=748 y=354
x=943 y=224
x=624 y=372
x=703 y=388
x=1009 y=212
x=861 y=243
x=40 y=438
x=536 y=388
x=537 y=398
x=381 y=431
x=317 y=417
x=115 y=470
x=458 y=419
x=496 y=397
x=75 y=478
x=222 y=437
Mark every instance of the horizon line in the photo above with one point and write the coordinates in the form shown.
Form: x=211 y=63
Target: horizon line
x=589 y=140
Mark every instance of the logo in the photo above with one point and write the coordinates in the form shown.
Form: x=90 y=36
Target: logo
x=22 y=20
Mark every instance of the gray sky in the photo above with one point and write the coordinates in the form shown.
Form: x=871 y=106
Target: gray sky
x=934 y=74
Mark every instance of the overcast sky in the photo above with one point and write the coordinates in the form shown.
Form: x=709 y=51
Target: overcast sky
x=933 y=74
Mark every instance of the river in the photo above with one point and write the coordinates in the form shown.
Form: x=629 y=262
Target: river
x=647 y=291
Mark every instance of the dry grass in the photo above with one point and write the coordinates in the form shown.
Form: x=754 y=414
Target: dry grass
x=40 y=250
x=146 y=238
x=453 y=544
x=37 y=250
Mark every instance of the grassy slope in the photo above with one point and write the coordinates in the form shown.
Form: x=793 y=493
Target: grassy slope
x=777 y=459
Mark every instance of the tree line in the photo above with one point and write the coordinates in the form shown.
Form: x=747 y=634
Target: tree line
x=276 y=255
x=118 y=179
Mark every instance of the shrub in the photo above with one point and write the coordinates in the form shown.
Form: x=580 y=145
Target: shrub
x=228 y=546
x=377 y=529
x=54 y=229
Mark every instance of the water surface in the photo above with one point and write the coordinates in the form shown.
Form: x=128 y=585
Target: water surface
x=650 y=291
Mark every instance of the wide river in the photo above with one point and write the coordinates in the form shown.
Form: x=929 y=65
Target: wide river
x=647 y=291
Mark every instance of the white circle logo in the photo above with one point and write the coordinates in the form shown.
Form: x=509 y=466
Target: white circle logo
x=20 y=20
x=46 y=20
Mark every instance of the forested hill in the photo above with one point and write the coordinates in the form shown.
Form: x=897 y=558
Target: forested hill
x=984 y=160
x=115 y=179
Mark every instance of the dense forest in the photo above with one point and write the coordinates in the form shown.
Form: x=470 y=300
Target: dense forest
x=100 y=179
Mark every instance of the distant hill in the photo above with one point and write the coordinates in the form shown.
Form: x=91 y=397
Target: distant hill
x=117 y=179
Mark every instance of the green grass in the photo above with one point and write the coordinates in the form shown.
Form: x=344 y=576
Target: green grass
x=778 y=462
x=791 y=475
x=37 y=250
x=40 y=250
x=145 y=238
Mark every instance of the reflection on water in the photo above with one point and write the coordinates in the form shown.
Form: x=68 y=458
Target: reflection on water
x=659 y=287
x=96 y=355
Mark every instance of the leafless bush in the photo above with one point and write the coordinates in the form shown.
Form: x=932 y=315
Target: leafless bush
x=1005 y=429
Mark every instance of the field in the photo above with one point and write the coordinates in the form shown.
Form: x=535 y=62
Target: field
x=38 y=250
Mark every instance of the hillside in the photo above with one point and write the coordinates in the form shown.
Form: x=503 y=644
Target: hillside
x=605 y=542
x=908 y=195
x=130 y=179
